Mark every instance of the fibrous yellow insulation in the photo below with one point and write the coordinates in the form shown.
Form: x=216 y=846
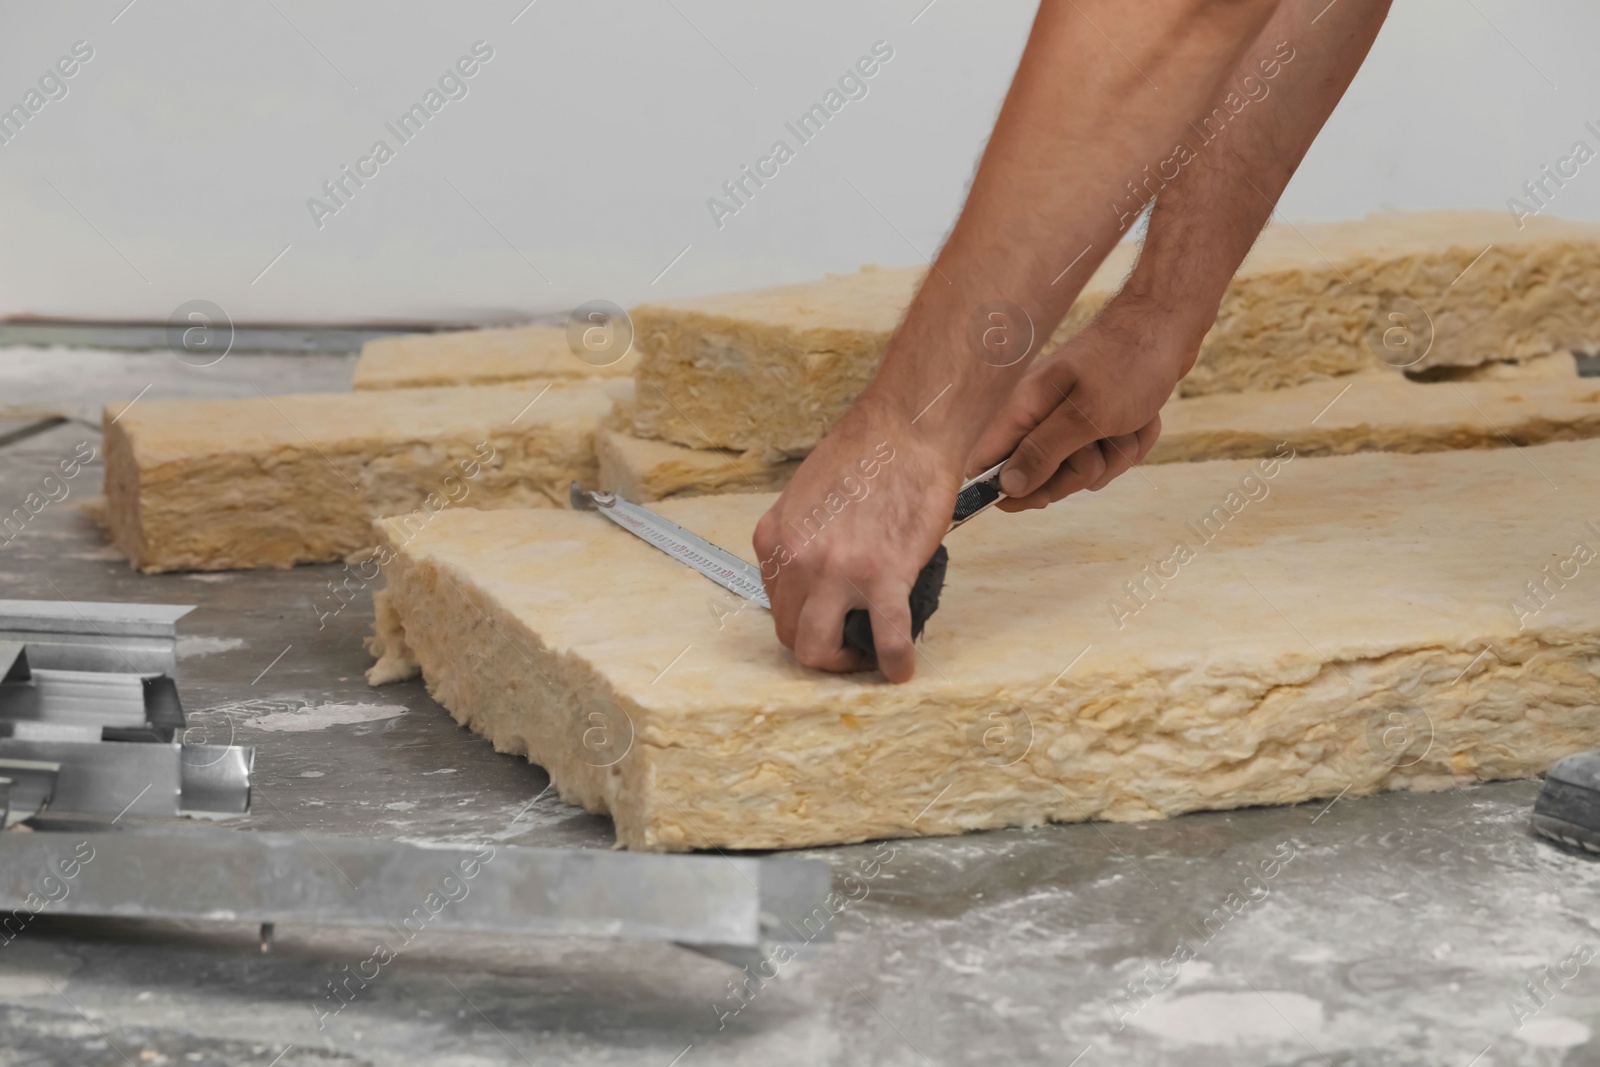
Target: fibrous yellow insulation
x=641 y=469
x=1359 y=413
x=479 y=357
x=1202 y=637
x=275 y=481
x=769 y=371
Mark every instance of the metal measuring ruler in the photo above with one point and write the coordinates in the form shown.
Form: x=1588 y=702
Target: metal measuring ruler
x=977 y=494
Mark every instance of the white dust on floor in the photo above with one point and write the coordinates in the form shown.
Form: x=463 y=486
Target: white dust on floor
x=1557 y=1031
x=205 y=646
x=97 y=554
x=322 y=716
x=1218 y=1018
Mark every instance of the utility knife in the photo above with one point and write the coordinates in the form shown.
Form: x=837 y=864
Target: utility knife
x=977 y=495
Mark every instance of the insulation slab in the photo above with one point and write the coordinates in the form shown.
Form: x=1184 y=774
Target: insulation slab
x=1203 y=637
x=275 y=481
x=476 y=357
x=1369 y=412
x=1378 y=413
x=641 y=469
x=769 y=371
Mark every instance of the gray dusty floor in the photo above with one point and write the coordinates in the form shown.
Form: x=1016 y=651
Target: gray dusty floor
x=1397 y=932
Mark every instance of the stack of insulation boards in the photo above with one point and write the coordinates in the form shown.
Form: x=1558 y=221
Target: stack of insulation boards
x=1203 y=636
x=767 y=372
x=478 y=418
x=732 y=388
x=275 y=481
x=729 y=388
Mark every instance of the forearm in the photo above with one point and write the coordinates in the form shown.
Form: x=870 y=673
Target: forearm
x=1237 y=163
x=1104 y=89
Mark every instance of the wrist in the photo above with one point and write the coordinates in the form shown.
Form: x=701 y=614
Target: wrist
x=1168 y=331
x=941 y=393
x=938 y=414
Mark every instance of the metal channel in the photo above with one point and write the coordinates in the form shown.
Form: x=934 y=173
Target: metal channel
x=166 y=872
x=111 y=779
x=95 y=636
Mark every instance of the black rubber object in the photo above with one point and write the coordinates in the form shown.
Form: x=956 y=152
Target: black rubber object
x=1568 y=808
x=924 y=602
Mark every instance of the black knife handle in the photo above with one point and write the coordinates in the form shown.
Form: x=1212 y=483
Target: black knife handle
x=924 y=602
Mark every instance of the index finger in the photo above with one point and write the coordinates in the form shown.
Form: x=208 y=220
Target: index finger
x=889 y=607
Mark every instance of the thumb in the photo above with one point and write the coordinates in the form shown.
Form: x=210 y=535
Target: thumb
x=1033 y=398
x=1038 y=455
x=999 y=439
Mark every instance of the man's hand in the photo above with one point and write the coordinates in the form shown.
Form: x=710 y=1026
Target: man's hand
x=861 y=516
x=1103 y=93
x=1087 y=413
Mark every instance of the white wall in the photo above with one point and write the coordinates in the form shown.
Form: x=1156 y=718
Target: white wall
x=591 y=141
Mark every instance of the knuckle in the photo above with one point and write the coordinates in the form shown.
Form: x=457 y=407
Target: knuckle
x=1082 y=406
x=1030 y=455
x=1071 y=479
x=1072 y=427
x=807 y=559
x=809 y=654
x=1041 y=396
x=892 y=646
x=1149 y=436
x=765 y=536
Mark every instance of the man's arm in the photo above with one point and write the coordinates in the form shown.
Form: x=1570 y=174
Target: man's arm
x=1104 y=88
x=1121 y=369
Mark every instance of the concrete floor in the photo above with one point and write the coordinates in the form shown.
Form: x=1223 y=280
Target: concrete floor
x=1397 y=933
